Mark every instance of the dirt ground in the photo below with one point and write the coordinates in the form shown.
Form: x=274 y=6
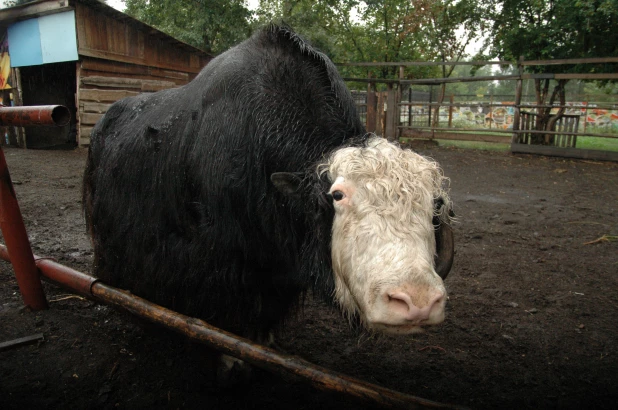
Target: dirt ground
x=531 y=318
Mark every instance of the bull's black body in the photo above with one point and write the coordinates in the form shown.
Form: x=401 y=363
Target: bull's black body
x=178 y=195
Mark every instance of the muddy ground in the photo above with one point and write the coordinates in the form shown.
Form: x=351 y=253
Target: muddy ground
x=531 y=318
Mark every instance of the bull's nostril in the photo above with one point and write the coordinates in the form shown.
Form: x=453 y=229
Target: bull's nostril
x=399 y=304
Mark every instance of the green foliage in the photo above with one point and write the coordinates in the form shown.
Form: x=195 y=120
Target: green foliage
x=315 y=20
x=557 y=29
x=346 y=30
x=210 y=25
x=380 y=30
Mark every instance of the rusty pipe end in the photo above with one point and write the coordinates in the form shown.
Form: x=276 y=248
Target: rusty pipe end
x=60 y=115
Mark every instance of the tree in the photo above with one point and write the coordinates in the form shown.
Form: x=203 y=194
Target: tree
x=379 y=30
x=210 y=25
x=555 y=29
x=452 y=25
x=314 y=20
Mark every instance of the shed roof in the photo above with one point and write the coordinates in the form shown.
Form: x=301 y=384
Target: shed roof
x=40 y=8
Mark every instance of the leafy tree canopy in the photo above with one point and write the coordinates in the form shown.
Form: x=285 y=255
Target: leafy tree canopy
x=381 y=30
x=555 y=29
x=211 y=25
x=347 y=30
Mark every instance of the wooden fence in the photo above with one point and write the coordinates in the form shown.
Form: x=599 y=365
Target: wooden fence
x=394 y=114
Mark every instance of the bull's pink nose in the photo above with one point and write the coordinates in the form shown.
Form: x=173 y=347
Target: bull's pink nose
x=400 y=304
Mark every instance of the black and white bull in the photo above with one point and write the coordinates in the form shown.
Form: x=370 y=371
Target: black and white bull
x=231 y=197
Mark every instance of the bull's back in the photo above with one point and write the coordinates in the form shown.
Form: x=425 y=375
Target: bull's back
x=177 y=193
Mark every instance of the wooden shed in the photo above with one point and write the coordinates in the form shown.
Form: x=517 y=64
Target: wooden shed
x=85 y=55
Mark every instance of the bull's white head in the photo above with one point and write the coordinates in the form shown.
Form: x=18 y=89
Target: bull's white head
x=391 y=243
x=383 y=238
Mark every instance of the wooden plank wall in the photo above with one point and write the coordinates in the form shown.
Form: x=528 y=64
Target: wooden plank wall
x=119 y=37
x=102 y=82
x=122 y=57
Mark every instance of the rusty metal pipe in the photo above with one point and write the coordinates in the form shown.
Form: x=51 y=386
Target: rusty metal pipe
x=16 y=238
x=59 y=274
x=228 y=343
x=22 y=116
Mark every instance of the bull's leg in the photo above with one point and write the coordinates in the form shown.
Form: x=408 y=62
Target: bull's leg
x=232 y=371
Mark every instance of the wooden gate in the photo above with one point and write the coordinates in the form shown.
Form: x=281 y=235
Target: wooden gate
x=568 y=124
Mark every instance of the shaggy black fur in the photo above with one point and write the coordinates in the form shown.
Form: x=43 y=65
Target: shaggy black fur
x=177 y=189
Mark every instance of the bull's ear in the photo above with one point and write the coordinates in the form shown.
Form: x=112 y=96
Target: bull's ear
x=288 y=183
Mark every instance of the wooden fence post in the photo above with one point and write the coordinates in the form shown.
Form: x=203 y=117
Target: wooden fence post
x=450 y=111
x=392 y=113
x=18 y=101
x=371 y=106
x=516 y=108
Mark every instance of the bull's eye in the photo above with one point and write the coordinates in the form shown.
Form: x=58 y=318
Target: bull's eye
x=338 y=195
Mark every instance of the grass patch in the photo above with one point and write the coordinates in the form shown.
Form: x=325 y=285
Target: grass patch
x=600 y=143
x=583 y=142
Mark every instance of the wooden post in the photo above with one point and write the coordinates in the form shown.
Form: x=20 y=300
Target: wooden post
x=516 y=107
x=410 y=106
x=586 y=117
x=379 y=120
x=430 y=101
x=450 y=111
x=391 y=114
x=491 y=108
x=436 y=114
x=78 y=128
x=398 y=98
x=18 y=101
x=371 y=106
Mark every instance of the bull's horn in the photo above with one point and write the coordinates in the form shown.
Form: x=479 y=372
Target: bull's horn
x=445 y=246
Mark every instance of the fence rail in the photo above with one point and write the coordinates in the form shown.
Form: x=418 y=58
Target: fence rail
x=422 y=116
